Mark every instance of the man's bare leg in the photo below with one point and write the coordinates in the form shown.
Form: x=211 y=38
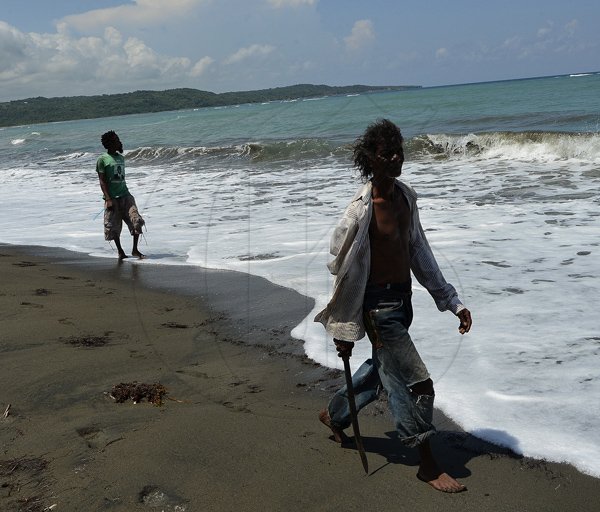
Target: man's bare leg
x=120 y=250
x=339 y=436
x=135 y=251
x=430 y=472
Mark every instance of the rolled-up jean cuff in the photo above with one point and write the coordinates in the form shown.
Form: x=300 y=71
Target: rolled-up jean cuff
x=335 y=424
x=418 y=439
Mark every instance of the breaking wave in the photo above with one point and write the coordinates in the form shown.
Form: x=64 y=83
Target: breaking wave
x=272 y=151
x=522 y=146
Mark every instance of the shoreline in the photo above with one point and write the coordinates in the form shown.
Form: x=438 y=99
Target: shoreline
x=238 y=429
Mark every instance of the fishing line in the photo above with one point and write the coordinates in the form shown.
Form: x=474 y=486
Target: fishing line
x=462 y=294
x=264 y=122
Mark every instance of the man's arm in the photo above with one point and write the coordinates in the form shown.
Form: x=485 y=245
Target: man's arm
x=343 y=347
x=443 y=293
x=104 y=185
x=341 y=240
x=426 y=270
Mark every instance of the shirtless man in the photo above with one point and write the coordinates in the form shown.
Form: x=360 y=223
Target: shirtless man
x=375 y=245
x=119 y=204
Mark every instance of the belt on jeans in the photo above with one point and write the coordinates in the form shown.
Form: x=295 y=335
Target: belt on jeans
x=405 y=287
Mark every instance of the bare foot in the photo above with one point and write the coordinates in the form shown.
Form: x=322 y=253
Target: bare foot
x=338 y=434
x=122 y=255
x=429 y=472
x=138 y=255
x=442 y=482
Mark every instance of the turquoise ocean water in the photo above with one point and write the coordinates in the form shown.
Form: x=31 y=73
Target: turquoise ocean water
x=508 y=175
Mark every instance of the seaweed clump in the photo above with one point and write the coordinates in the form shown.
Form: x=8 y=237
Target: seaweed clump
x=22 y=464
x=24 y=482
x=86 y=341
x=136 y=392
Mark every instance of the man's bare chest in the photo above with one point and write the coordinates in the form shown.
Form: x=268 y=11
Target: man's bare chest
x=390 y=219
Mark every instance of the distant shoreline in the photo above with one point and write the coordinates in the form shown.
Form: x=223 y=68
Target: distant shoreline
x=522 y=79
x=48 y=110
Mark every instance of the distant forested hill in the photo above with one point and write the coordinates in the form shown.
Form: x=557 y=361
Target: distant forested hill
x=42 y=110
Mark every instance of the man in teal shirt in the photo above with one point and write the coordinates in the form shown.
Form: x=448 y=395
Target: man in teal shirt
x=119 y=204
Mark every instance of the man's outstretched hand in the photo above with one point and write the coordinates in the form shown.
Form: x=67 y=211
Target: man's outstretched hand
x=464 y=315
x=344 y=348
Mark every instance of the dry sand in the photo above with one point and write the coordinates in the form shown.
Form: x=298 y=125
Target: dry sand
x=238 y=429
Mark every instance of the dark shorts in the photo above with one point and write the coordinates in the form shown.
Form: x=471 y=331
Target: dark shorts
x=125 y=210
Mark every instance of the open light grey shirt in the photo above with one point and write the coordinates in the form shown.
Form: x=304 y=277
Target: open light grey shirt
x=343 y=316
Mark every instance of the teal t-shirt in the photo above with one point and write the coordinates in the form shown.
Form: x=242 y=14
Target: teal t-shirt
x=113 y=168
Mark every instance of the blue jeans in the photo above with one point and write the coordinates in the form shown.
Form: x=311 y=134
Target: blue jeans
x=395 y=365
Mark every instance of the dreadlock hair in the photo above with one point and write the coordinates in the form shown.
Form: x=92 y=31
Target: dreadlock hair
x=107 y=137
x=380 y=133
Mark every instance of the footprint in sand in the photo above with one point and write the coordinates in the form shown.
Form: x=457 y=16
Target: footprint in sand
x=96 y=438
x=236 y=407
x=174 y=325
x=32 y=305
x=87 y=341
x=25 y=264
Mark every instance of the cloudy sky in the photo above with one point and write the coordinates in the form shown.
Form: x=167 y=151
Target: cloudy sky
x=84 y=47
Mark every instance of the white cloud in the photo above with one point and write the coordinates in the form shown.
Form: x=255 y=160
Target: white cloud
x=291 y=3
x=544 y=31
x=13 y=47
x=113 y=37
x=255 y=50
x=512 y=43
x=361 y=35
x=41 y=64
x=441 y=53
x=139 y=55
x=571 y=27
x=201 y=66
x=300 y=67
x=141 y=12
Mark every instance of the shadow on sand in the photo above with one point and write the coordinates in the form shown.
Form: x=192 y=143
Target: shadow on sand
x=453 y=450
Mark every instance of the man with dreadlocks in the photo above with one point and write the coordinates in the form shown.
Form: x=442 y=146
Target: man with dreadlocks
x=376 y=244
x=119 y=204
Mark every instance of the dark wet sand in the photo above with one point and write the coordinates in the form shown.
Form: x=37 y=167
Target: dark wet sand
x=238 y=429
